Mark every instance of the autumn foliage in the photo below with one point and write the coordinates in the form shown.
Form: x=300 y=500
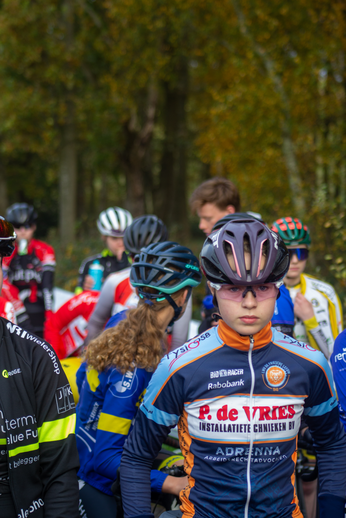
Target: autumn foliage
x=136 y=102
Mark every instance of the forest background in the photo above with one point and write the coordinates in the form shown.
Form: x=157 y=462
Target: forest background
x=136 y=102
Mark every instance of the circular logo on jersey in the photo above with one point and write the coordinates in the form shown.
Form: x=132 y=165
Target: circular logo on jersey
x=275 y=375
x=5 y=373
x=315 y=303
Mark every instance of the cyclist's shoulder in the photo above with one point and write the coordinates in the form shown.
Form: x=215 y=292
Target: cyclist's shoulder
x=7 y=310
x=42 y=249
x=319 y=285
x=85 y=299
x=298 y=349
x=115 y=319
x=191 y=351
x=90 y=259
x=340 y=343
x=114 y=279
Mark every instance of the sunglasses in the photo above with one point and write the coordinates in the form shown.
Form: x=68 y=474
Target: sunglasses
x=19 y=226
x=238 y=293
x=301 y=253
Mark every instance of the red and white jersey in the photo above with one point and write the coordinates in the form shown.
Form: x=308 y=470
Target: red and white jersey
x=124 y=294
x=7 y=310
x=11 y=294
x=33 y=274
x=65 y=329
x=116 y=295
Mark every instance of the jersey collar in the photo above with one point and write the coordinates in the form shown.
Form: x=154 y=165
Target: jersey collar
x=234 y=339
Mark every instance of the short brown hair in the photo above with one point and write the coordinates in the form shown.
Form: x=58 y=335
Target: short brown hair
x=219 y=191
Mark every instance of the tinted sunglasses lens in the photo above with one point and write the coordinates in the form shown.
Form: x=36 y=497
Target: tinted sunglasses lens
x=301 y=253
x=19 y=225
x=230 y=292
x=265 y=291
x=236 y=293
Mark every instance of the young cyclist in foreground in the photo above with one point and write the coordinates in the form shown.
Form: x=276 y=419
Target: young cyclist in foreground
x=119 y=365
x=237 y=393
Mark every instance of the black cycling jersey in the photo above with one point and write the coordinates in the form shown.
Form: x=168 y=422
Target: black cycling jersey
x=4 y=481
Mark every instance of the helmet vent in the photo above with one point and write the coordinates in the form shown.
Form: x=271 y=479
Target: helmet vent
x=210 y=268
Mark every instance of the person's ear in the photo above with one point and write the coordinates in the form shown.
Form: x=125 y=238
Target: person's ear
x=230 y=209
x=182 y=298
x=34 y=227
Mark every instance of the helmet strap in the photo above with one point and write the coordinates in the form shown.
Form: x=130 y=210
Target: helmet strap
x=177 y=309
x=216 y=315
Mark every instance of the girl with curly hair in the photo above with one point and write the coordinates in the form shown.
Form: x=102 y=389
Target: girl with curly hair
x=118 y=367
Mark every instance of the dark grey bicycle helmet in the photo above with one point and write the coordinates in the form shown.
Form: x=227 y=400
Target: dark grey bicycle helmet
x=166 y=267
x=21 y=214
x=230 y=238
x=7 y=237
x=236 y=215
x=143 y=231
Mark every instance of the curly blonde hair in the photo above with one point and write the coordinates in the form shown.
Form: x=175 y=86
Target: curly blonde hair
x=136 y=341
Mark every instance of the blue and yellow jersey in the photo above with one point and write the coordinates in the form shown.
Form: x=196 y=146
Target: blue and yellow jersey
x=238 y=403
x=107 y=406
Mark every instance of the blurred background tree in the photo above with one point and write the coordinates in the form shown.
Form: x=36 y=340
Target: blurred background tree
x=136 y=102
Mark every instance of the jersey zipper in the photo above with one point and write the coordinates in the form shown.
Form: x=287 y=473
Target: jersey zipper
x=248 y=465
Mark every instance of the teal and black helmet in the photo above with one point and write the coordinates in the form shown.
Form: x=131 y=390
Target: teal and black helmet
x=167 y=267
x=292 y=231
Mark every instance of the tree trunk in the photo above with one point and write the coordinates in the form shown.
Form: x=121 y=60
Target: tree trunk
x=68 y=150
x=68 y=178
x=171 y=197
x=3 y=189
x=138 y=138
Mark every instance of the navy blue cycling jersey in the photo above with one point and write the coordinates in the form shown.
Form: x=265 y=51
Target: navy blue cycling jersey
x=238 y=404
x=283 y=318
x=338 y=362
